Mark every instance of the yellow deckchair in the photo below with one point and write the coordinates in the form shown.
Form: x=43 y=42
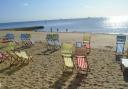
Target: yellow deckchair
x=24 y=56
x=67 y=52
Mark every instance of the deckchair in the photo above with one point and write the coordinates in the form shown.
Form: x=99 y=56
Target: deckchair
x=67 y=53
x=50 y=42
x=55 y=38
x=120 y=45
x=86 y=42
x=23 y=55
x=81 y=62
x=9 y=37
x=25 y=39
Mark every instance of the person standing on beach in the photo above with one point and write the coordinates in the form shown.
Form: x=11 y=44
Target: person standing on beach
x=57 y=30
x=66 y=30
x=51 y=29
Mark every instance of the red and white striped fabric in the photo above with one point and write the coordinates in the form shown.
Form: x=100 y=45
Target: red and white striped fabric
x=81 y=62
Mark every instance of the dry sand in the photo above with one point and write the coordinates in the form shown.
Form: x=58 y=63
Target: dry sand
x=45 y=72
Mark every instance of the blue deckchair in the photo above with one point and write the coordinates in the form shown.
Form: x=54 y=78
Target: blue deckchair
x=120 y=46
x=9 y=37
x=25 y=38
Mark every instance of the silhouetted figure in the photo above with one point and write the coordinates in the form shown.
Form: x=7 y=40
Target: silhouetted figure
x=51 y=29
x=57 y=30
x=66 y=30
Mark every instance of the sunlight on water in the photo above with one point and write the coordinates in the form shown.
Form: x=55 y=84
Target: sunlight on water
x=116 y=22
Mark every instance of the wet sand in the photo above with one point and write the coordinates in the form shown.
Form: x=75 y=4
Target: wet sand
x=45 y=72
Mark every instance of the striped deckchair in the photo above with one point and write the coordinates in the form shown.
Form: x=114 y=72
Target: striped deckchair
x=81 y=62
x=67 y=53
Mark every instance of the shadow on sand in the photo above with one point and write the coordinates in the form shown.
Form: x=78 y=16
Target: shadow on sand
x=125 y=75
x=48 y=52
x=76 y=82
x=12 y=69
x=61 y=81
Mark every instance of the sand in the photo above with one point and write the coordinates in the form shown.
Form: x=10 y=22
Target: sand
x=45 y=72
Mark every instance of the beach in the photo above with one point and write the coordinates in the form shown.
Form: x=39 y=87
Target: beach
x=45 y=71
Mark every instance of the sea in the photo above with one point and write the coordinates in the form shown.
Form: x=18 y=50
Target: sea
x=111 y=25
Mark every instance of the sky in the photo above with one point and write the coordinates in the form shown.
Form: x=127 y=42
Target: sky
x=32 y=10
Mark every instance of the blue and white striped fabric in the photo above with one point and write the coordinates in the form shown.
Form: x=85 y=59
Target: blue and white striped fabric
x=120 y=48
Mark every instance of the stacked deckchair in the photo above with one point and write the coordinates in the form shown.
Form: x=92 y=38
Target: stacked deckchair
x=86 y=41
x=81 y=62
x=67 y=55
x=53 y=42
x=26 y=40
x=120 y=43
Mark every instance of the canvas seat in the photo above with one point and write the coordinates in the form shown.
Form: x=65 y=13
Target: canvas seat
x=68 y=61
x=82 y=63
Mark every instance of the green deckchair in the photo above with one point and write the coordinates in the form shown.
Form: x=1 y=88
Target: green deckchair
x=86 y=41
x=67 y=52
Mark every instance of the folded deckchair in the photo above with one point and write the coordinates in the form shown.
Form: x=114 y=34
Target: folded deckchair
x=67 y=53
x=120 y=42
x=86 y=41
